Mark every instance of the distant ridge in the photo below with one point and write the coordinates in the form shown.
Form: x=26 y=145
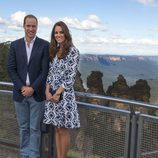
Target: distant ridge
x=103 y=58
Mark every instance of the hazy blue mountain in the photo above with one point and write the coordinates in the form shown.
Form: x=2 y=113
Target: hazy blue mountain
x=131 y=67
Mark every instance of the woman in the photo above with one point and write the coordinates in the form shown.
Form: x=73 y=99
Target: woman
x=61 y=109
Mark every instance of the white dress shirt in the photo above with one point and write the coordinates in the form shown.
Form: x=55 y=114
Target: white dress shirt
x=29 y=47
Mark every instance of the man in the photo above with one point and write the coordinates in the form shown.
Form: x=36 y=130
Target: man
x=28 y=63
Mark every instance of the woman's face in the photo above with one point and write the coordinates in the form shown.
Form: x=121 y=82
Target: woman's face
x=59 y=35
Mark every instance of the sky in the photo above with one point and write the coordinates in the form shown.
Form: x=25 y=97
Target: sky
x=117 y=27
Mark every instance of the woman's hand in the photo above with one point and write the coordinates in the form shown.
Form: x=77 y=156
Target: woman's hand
x=55 y=97
x=48 y=96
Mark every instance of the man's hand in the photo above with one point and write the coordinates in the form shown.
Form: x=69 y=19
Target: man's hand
x=27 y=91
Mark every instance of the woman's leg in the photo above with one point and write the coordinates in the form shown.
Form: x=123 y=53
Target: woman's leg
x=65 y=141
x=58 y=143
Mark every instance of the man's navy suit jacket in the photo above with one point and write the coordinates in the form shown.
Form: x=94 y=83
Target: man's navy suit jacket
x=37 y=67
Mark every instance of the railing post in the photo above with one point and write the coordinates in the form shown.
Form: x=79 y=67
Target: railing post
x=51 y=145
x=133 y=135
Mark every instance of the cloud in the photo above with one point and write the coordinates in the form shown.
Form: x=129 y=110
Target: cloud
x=147 y=2
x=93 y=22
x=16 y=21
x=15 y=27
x=126 y=46
x=45 y=21
x=3 y=21
x=17 y=18
x=91 y=39
x=2 y=31
x=8 y=38
x=119 y=41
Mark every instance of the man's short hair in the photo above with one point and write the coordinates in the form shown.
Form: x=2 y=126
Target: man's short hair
x=29 y=16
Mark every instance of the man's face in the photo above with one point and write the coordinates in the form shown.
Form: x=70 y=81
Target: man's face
x=30 y=28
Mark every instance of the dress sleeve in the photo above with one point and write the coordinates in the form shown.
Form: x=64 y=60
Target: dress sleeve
x=68 y=78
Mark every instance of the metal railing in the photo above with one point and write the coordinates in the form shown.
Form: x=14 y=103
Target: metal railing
x=106 y=132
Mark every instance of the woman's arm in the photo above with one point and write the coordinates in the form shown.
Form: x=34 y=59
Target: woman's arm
x=47 y=93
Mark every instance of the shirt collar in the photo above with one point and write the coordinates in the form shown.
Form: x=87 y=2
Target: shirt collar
x=32 y=41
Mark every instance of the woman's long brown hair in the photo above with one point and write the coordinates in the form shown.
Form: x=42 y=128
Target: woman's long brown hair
x=53 y=49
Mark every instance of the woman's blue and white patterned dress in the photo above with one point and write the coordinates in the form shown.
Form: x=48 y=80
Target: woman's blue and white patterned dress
x=63 y=72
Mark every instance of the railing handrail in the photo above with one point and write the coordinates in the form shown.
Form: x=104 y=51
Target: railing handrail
x=101 y=107
x=6 y=83
x=114 y=99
